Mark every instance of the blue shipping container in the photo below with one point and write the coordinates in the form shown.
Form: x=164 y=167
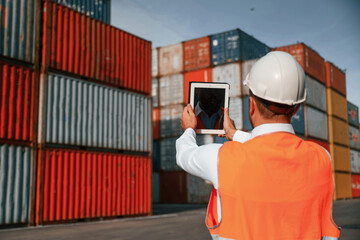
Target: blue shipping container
x=235 y=45
x=98 y=9
x=247 y=123
x=156 y=155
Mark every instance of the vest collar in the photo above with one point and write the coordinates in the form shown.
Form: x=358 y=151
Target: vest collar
x=271 y=128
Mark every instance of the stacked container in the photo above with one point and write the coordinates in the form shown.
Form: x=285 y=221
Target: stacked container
x=354 y=142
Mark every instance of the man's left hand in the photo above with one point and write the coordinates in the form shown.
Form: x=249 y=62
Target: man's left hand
x=188 y=118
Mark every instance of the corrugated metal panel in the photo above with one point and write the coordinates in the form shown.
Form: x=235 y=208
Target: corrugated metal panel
x=154 y=63
x=171 y=59
x=355 y=161
x=170 y=120
x=336 y=104
x=316 y=124
x=156 y=155
x=16 y=102
x=18 y=29
x=171 y=89
x=245 y=69
x=340 y=157
x=229 y=73
x=156 y=123
x=335 y=78
x=236 y=111
x=353 y=114
x=198 y=190
x=15 y=182
x=168 y=154
x=98 y=9
x=83 y=113
x=315 y=93
x=197 y=54
x=342 y=185
x=89 y=48
x=355 y=186
x=155 y=187
x=83 y=185
x=338 y=131
x=251 y=48
x=155 y=92
x=354 y=137
x=203 y=75
x=312 y=63
x=203 y=139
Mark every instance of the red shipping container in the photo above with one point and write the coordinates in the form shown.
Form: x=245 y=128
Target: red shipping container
x=335 y=78
x=197 y=54
x=312 y=63
x=355 y=185
x=203 y=75
x=156 y=123
x=76 y=184
x=75 y=43
x=173 y=187
x=18 y=93
x=321 y=143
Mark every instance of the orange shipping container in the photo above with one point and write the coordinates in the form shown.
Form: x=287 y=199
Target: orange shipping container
x=338 y=131
x=310 y=61
x=336 y=104
x=156 y=123
x=195 y=76
x=340 y=158
x=335 y=78
x=197 y=54
x=170 y=59
x=342 y=186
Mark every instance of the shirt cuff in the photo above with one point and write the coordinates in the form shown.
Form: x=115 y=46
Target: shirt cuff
x=190 y=131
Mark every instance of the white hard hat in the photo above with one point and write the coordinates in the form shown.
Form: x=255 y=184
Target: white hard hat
x=277 y=77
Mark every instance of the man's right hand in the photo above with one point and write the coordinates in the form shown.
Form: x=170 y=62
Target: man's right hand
x=229 y=126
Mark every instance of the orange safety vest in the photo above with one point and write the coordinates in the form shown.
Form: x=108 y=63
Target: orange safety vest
x=274 y=186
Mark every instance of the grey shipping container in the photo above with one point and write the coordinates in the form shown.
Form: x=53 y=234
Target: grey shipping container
x=355 y=161
x=168 y=154
x=155 y=92
x=316 y=123
x=171 y=89
x=170 y=123
x=15 y=183
x=19 y=29
x=98 y=9
x=81 y=113
x=198 y=190
x=354 y=137
x=353 y=114
x=315 y=93
x=155 y=187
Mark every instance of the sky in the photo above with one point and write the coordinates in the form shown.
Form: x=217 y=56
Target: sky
x=331 y=27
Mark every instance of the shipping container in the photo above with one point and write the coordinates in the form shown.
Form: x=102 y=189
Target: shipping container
x=17 y=102
x=340 y=157
x=76 y=184
x=354 y=137
x=316 y=124
x=245 y=70
x=355 y=186
x=155 y=92
x=229 y=73
x=355 y=161
x=196 y=54
x=168 y=154
x=171 y=89
x=155 y=187
x=335 y=78
x=19 y=29
x=312 y=63
x=82 y=113
x=181 y=187
x=156 y=123
x=235 y=45
x=338 y=131
x=98 y=9
x=247 y=124
x=203 y=139
x=203 y=75
x=298 y=121
x=171 y=59
x=86 y=47
x=321 y=143
x=170 y=123
x=154 y=63
x=236 y=111
x=315 y=93
x=353 y=114
x=15 y=184
x=342 y=186
x=156 y=155
x=336 y=104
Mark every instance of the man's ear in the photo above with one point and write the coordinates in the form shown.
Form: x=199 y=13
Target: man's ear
x=252 y=105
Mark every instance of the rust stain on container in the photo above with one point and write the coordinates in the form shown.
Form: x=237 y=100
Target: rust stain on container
x=338 y=131
x=336 y=104
x=340 y=157
x=335 y=78
x=197 y=54
x=343 y=186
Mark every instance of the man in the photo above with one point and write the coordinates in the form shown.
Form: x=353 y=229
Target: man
x=208 y=110
x=268 y=184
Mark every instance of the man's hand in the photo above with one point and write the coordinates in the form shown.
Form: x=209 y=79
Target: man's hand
x=188 y=118
x=229 y=126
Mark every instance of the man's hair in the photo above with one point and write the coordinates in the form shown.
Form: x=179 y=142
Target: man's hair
x=270 y=109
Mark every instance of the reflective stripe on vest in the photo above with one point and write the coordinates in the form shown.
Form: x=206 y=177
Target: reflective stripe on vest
x=274 y=186
x=216 y=237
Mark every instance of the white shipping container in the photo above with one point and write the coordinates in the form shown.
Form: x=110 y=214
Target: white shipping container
x=315 y=93
x=236 y=111
x=170 y=120
x=355 y=161
x=168 y=154
x=198 y=190
x=316 y=123
x=354 y=135
x=170 y=59
x=229 y=73
x=171 y=89
x=245 y=69
x=82 y=113
x=154 y=63
x=155 y=92
x=155 y=187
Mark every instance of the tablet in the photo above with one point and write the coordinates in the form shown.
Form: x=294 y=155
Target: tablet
x=209 y=101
